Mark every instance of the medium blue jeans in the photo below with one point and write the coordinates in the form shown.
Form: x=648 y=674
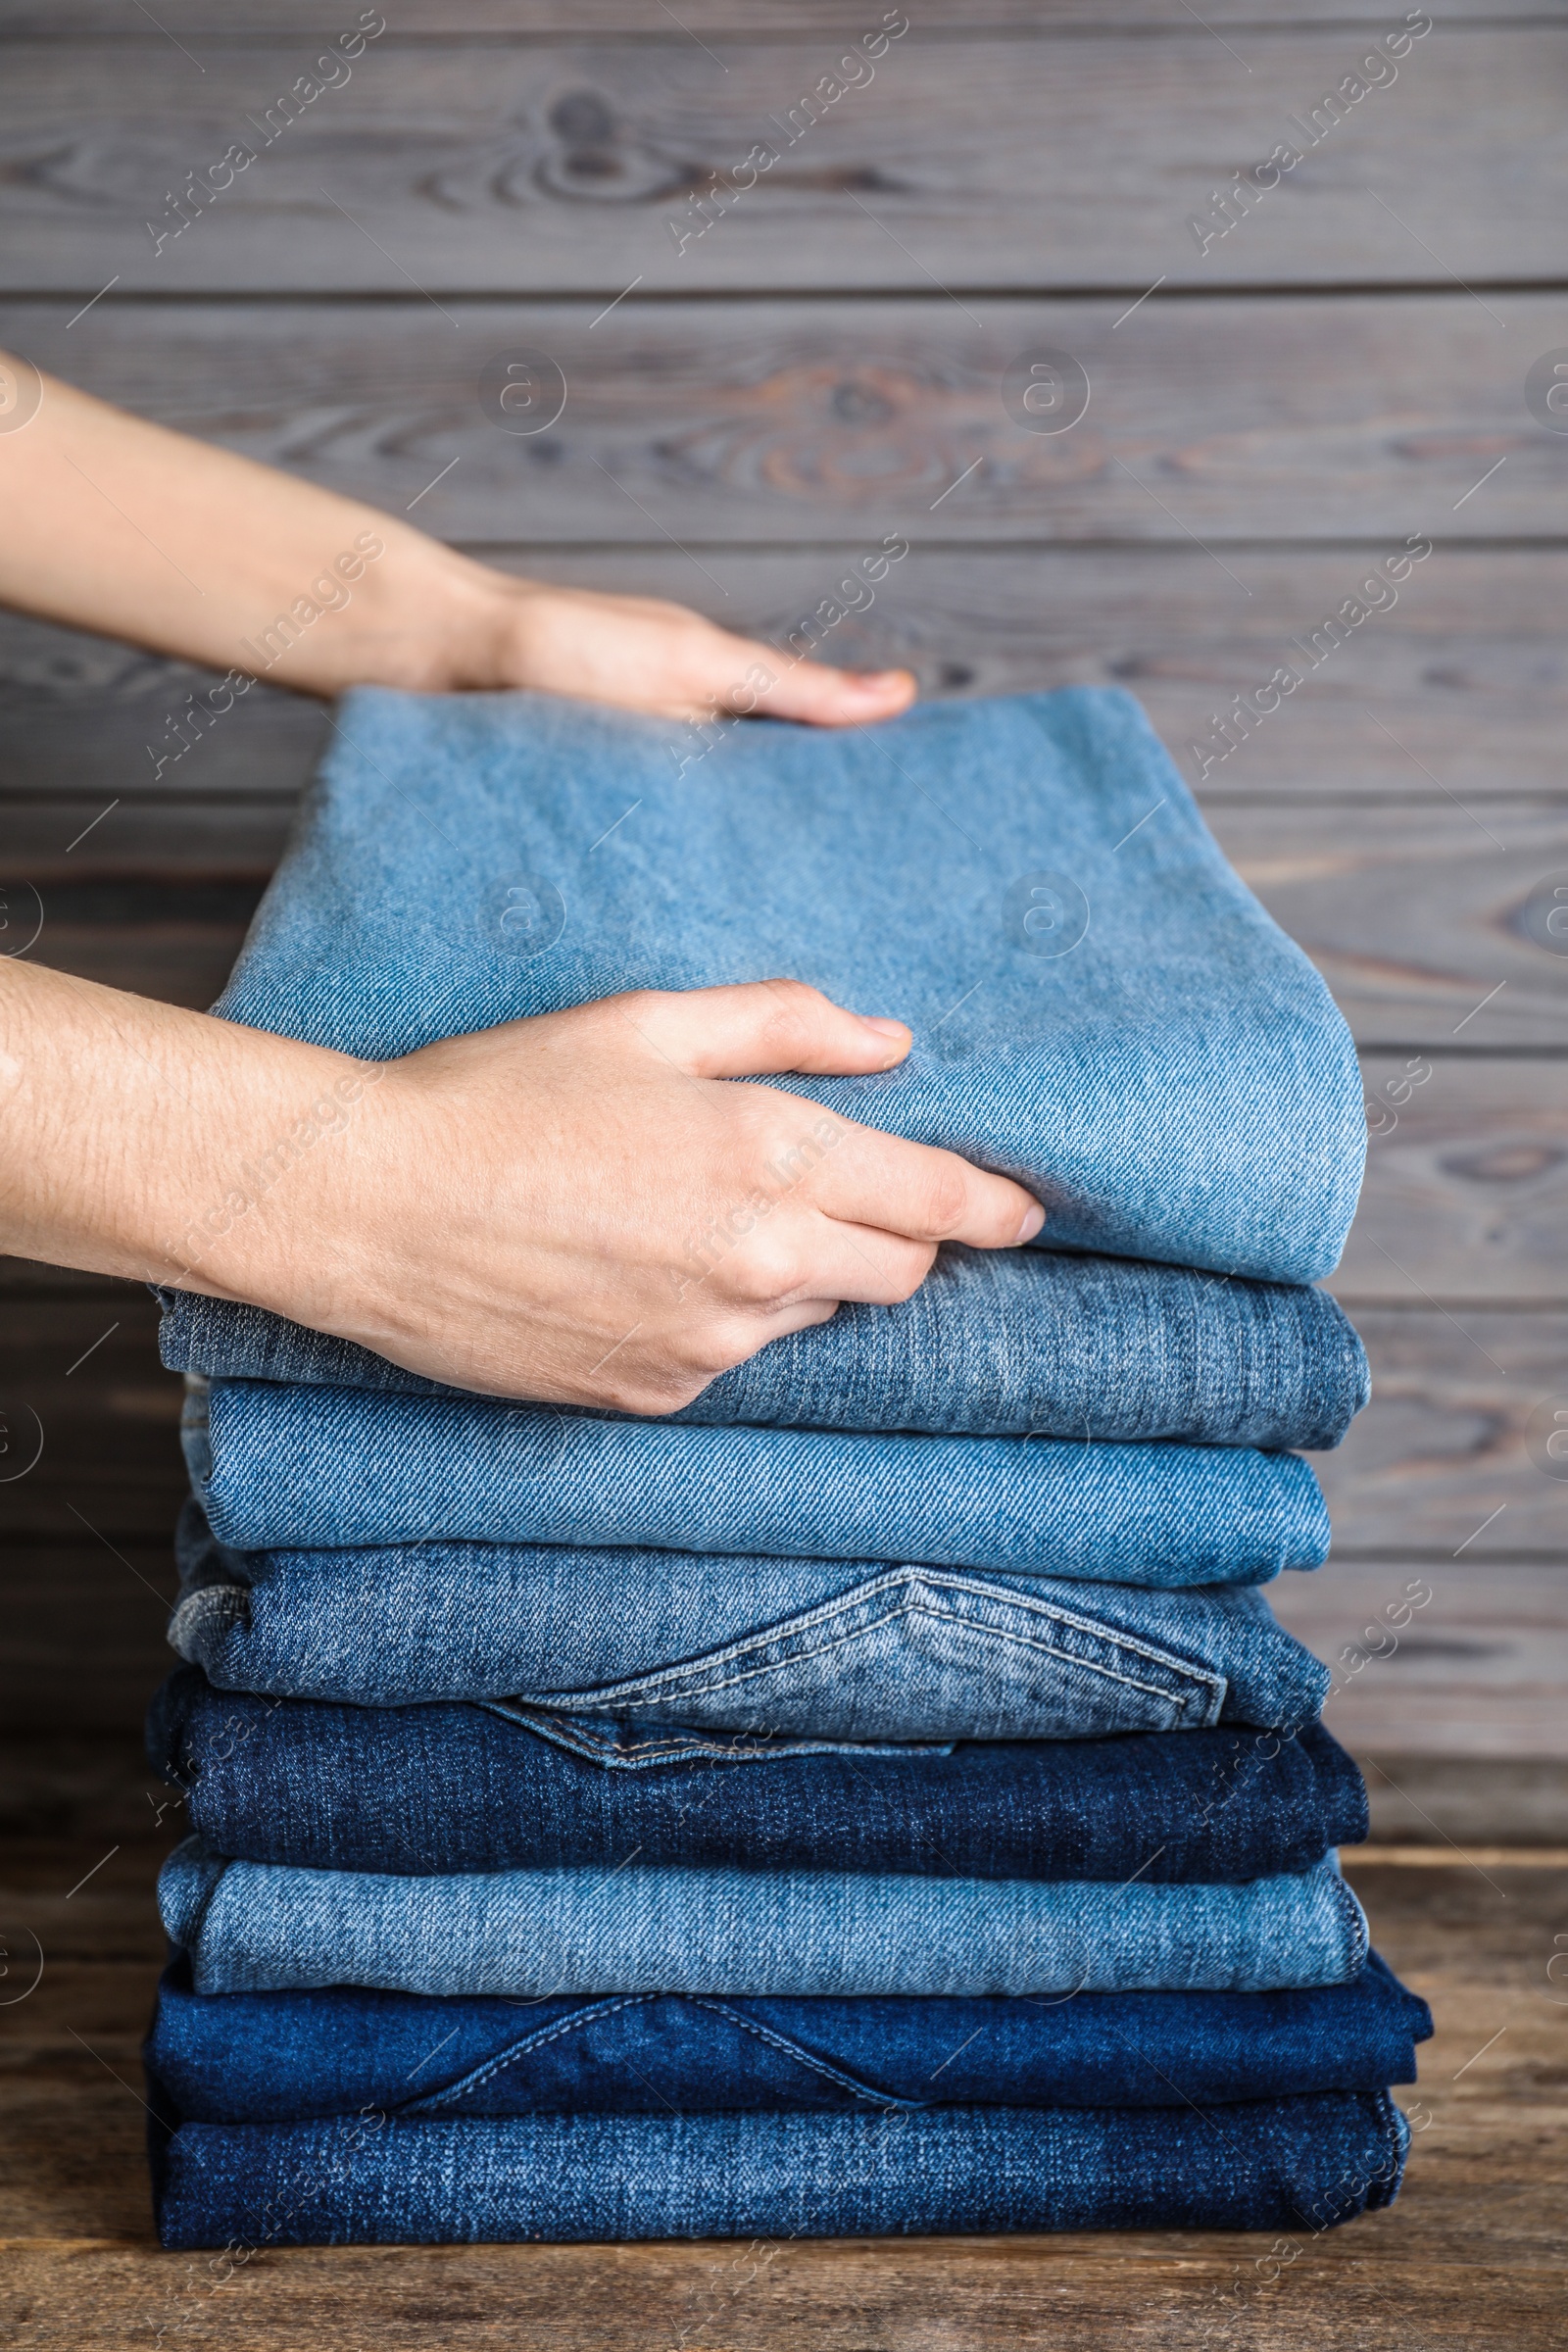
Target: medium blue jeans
x=290 y=2057
x=1302 y=2165
x=257 y=1927
x=995 y=1344
x=276 y=1464
x=1126 y=1033
x=435 y=1788
x=778 y=1648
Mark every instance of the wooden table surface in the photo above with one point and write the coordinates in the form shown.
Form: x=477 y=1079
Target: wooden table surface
x=1273 y=411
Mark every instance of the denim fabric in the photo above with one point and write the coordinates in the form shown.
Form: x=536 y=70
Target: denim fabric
x=288 y=2057
x=1128 y=1034
x=1275 y=2164
x=784 y=1648
x=257 y=1926
x=278 y=1464
x=995 y=1344
x=422 y=1790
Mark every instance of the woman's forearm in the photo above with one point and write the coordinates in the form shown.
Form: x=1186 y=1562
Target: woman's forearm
x=129 y=1126
x=108 y=523
x=116 y=524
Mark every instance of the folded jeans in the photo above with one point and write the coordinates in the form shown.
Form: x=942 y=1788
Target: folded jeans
x=1128 y=1034
x=848 y=1651
x=1005 y=1342
x=1297 y=2163
x=288 y=2057
x=280 y=1464
x=257 y=1927
x=426 y=1789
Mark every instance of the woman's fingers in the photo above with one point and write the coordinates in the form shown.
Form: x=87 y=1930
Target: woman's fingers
x=743 y=675
x=820 y=697
x=923 y=1192
x=853 y=1174
x=645 y=654
x=758 y=1028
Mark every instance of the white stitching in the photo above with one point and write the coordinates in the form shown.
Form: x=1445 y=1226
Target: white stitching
x=677 y=1683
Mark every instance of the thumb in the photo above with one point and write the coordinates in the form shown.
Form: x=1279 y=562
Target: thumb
x=760 y=1027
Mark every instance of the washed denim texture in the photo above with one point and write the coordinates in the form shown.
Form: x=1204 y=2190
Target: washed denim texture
x=795 y=1649
x=999 y=1342
x=257 y=1927
x=289 y=2057
x=1302 y=2164
x=1128 y=1033
x=422 y=1791
x=280 y=1464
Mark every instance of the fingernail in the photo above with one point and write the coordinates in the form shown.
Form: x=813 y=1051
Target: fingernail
x=1032 y=1223
x=883 y=1028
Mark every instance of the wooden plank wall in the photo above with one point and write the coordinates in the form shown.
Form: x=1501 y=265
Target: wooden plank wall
x=1274 y=410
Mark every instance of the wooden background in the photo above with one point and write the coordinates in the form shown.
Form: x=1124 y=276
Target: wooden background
x=1343 y=370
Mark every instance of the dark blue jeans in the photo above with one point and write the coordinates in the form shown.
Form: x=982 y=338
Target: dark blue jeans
x=459 y=1787
x=290 y=2057
x=1300 y=2164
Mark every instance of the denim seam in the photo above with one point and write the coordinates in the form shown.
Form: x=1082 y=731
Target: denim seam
x=1355 y=1920
x=688 y=1747
x=915 y=1587
x=682 y=1682
x=593 y=2014
x=515 y=2050
x=804 y=2057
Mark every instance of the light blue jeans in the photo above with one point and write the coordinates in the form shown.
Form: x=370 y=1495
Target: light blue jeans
x=254 y=1927
x=278 y=1464
x=994 y=1344
x=796 y=1648
x=1101 y=1008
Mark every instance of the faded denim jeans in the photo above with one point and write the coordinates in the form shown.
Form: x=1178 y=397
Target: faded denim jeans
x=278 y=1464
x=256 y=1926
x=1128 y=1034
x=855 y=1651
x=995 y=1344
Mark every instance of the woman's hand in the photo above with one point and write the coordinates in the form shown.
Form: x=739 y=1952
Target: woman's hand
x=582 y=1208
x=650 y=656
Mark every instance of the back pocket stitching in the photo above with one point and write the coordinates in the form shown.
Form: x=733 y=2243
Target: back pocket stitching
x=914 y=1599
x=931 y=1580
x=955 y=1623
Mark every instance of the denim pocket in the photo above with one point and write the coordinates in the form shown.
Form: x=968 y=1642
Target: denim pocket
x=588 y=2059
x=624 y=1747
x=959 y=1656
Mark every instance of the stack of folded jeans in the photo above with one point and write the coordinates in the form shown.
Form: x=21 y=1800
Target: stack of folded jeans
x=879 y=1797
